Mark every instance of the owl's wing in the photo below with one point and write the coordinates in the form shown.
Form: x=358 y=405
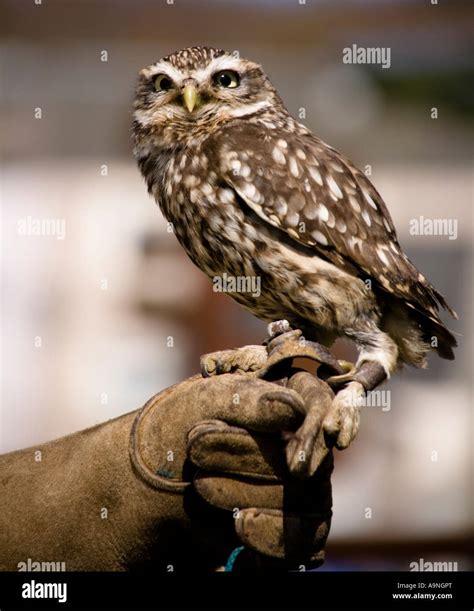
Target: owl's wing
x=305 y=188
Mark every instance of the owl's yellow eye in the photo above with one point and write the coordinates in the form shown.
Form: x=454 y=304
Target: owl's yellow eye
x=163 y=83
x=227 y=79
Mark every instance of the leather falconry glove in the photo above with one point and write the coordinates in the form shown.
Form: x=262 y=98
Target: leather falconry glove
x=287 y=503
x=126 y=494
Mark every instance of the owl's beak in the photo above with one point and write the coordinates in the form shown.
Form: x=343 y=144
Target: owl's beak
x=190 y=97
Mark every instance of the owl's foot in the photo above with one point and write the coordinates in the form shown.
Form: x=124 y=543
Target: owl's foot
x=338 y=381
x=342 y=422
x=239 y=360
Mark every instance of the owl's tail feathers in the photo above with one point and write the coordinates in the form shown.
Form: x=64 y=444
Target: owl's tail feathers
x=443 y=303
x=432 y=332
x=440 y=338
x=435 y=333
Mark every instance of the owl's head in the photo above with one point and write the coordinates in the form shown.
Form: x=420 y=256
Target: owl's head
x=199 y=87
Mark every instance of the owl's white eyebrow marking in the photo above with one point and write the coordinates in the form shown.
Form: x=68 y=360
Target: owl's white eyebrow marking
x=164 y=68
x=225 y=62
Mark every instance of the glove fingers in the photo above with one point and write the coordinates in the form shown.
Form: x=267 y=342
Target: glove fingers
x=257 y=406
x=294 y=537
x=311 y=495
x=215 y=446
x=235 y=494
x=308 y=447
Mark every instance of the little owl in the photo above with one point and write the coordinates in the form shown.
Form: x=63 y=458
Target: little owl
x=252 y=192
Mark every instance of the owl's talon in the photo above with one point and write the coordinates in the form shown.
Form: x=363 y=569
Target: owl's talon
x=210 y=364
x=220 y=367
x=346 y=366
x=342 y=379
x=205 y=372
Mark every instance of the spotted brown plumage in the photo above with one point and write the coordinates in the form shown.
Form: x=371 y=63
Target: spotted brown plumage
x=252 y=192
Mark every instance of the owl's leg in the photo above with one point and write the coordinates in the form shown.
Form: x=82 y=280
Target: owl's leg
x=378 y=357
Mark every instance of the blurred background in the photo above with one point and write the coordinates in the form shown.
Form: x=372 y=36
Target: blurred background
x=103 y=309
